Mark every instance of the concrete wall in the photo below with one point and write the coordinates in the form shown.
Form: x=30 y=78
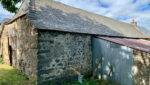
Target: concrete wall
x=141 y=68
x=22 y=38
x=120 y=57
x=57 y=50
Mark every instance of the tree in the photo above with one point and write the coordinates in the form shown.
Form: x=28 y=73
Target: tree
x=10 y=5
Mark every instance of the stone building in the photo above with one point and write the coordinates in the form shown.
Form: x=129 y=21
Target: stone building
x=46 y=36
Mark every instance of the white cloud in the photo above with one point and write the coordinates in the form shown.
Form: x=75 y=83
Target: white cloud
x=126 y=9
x=4 y=13
x=86 y=5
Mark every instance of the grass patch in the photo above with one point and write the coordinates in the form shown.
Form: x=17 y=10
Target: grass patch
x=1 y=60
x=11 y=76
x=91 y=82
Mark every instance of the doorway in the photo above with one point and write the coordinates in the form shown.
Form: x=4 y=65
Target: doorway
x=10 y=55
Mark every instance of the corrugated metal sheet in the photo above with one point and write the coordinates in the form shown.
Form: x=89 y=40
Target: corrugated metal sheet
x=120 y=57
x=139 y=44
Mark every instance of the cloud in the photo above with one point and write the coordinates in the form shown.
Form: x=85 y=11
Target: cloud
x=123 y=10
x=4 y=13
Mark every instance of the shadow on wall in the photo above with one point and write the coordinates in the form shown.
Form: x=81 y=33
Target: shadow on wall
x=116 y=58
x=141 y=68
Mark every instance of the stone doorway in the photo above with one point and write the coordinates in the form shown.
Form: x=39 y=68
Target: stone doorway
x=10 y=55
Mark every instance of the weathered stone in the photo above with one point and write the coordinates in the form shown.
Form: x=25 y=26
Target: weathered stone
x=21 y=37
x=141 y=67
x=64 y=49
x=46 y=55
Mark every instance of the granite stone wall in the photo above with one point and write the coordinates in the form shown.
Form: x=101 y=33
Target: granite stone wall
x=141 y=68
x=58 y=50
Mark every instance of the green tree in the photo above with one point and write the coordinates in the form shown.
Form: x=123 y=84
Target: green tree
x=10 y=5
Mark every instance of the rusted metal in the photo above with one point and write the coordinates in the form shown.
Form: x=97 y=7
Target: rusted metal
x=139 y=44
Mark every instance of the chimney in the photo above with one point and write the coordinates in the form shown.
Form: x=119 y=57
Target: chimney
x=134 y=23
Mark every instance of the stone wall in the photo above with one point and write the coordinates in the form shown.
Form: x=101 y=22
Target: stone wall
x=57 y=50
x=27 y=47
x=141 y=68
x=21 y=37
x=6 y=41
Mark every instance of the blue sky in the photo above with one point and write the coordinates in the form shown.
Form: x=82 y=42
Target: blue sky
x=123 y=10
x=4 y=13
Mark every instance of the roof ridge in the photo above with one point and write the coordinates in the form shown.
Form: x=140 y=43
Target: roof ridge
x=53 y=15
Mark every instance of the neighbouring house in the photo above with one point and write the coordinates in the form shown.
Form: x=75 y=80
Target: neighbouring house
x=142 y=29
x=0 y=39
x=45 y=37
x=0 y=27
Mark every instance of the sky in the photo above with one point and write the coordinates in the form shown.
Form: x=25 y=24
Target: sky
x=123 y=10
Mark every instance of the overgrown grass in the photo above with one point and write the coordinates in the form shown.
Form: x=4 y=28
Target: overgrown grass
x=11 y=76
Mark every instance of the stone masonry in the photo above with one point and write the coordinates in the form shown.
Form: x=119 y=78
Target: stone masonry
x=21 y=36
x=58 y=49
x=141 y=68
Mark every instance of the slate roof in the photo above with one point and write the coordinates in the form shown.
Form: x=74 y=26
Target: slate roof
x=144 y=30
x=52 y=15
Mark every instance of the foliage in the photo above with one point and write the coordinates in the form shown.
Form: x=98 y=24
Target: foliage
x=11 y=76
x=90 y=82
x=10 y=5
x=1 y=60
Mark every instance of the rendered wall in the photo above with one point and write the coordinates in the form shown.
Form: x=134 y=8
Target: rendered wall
x=57 y=50
x=120 y=57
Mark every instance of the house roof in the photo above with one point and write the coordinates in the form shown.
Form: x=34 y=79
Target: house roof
x=52 y=15
x=139 y=44
x=144 y=30
x=5 y=20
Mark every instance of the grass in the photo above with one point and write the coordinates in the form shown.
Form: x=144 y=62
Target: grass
x=1 y=60
x=11 y=76
x=91 y=82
